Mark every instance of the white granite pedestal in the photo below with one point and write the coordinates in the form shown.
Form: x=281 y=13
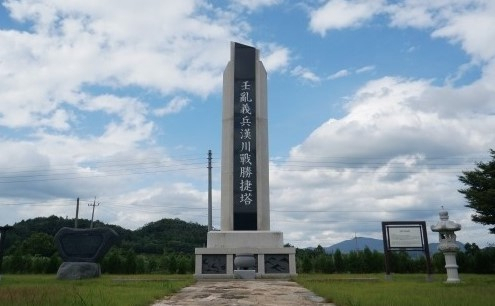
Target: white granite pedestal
x=273 y=260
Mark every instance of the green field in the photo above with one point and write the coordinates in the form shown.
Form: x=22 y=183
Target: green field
x=402 y=290
x=341 y=289
x=107 y=290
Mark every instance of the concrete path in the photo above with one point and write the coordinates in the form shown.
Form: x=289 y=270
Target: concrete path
x=242 y=292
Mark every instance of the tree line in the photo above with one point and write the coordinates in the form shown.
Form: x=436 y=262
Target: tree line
x=126 y=261
x=472 y=260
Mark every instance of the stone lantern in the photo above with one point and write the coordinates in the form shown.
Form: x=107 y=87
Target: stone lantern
x=448 y=245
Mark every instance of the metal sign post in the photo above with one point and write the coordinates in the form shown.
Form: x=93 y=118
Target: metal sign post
x=405 y=236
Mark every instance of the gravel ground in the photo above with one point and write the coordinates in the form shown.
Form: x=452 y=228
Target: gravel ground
x=242 y=292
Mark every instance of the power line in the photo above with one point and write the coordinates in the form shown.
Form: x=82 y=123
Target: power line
x=126 y=167
x=159 y=158
x=137 y=166
x=91 y=176
x=286 y=161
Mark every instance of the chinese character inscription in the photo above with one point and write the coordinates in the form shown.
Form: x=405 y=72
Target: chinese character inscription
x=245 y=146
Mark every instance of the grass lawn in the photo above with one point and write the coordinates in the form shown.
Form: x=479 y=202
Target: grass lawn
x=341 y=289
x=115 y=290
x=402 y=290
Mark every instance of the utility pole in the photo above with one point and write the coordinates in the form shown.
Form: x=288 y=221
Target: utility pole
x=210 y=222
x=77 y=213
x=356 y=240
x=93 y=214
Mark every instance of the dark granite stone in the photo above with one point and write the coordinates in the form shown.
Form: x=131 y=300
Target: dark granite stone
x=276 y=263
x=84 y=245
x=244 y=145
x=78 y=270
x=214 y=264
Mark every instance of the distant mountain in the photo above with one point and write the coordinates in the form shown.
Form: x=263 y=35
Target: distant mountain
x=359 y=243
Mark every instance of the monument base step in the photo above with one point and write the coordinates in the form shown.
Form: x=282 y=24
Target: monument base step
x=218 y=263
x=245 y=239
x=245 y=274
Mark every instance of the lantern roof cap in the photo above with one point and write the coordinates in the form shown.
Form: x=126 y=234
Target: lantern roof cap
x=445 y=225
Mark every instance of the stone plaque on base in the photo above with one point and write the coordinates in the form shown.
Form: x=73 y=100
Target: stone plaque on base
x=277 y=263
x=214 y=264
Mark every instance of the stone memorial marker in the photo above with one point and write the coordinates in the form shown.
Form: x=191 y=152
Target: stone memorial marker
x=245 y=203
x=81 y=250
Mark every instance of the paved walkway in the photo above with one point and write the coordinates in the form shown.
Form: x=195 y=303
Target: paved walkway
x=242 y=292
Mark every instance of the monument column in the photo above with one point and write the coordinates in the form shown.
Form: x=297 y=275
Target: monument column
x=245 y=179
x=245 y=207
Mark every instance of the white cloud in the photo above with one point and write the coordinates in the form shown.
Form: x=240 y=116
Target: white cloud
x=339 y=14
x=467 y=22
x=339 y=74
x=305 y=74
x=365 y=69
x=391 y=117
x=179 y=200
x=347 y=72
x=395 y=155
x=274 y=57
x=173 y=107
x=71 y=46
x=474 y=29
x=418 y=14
x=256 y=4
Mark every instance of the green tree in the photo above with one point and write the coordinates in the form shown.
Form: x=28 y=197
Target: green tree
x=356 y=262
x=367 y=260
x=20 y=263
x=152 y=265
x=182 y=265
x=53 y=264
x=319 y=263
x=130 y=262
x=141 y=264
x=38 y=264
x=338 y=261
x=328 y=265
x=401 y=262
x=438 y=262
x=480 y=192
x=319 y=250
x=39 y=244
x=471 y=249
x=112 y=262
x=172 y=264
x=306 y=266
x=164 y=260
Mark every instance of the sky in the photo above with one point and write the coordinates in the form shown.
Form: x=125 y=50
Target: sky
x=375 y=108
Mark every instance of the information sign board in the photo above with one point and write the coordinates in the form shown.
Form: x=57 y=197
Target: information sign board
x=405 y=236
